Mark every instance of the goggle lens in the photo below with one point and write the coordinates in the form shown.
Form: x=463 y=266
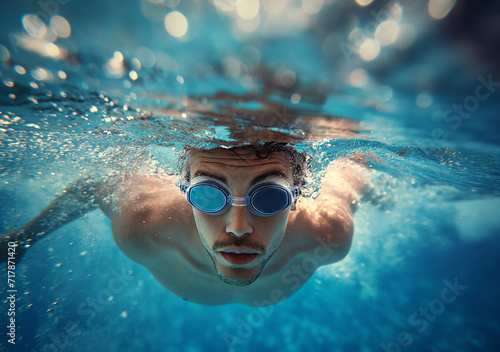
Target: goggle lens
x=270 y=200
x=207 y=198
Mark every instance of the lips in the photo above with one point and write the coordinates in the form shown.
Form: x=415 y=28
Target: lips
x=240 y=250
x=239 y=255
x=239 y=259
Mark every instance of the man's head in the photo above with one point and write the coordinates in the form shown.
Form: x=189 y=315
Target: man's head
x=238 y=241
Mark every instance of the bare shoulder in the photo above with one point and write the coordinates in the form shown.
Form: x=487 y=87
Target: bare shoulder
x=327 y=221
x=151 y=213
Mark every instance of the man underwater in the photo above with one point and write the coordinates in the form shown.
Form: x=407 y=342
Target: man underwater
x=233 y=231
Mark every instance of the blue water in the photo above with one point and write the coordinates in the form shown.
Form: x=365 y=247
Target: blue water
x=111 y=94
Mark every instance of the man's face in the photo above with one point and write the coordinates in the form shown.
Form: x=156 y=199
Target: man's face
x=238 y=242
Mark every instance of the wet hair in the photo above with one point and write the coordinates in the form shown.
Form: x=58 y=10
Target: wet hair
x=299 y=162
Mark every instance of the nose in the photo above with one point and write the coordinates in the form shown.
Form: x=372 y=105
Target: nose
x=239 y=221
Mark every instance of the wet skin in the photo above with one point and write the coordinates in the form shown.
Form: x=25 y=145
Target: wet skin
x=236 y=257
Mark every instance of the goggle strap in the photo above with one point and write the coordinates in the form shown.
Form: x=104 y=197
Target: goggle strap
x=184 y=187
x=295 y=191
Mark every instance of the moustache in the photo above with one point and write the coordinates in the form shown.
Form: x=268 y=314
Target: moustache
x=239 y=242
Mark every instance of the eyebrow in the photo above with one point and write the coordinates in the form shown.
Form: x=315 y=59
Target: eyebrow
x=208 y=174
x=271 y=173
x=256 y=180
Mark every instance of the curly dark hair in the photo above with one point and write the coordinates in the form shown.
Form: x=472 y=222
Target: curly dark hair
x=299 y=162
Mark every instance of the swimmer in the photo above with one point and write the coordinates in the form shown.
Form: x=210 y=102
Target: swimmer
x=231 y=228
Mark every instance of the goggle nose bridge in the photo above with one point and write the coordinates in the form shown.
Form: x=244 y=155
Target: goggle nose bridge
x=239 y=201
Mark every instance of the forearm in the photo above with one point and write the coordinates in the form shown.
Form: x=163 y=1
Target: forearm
x=76 y=200
x=62 y=210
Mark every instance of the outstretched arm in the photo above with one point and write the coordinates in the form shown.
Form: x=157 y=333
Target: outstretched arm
x=76 y=200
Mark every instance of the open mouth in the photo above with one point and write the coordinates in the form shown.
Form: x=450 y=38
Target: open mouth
x=239 y=256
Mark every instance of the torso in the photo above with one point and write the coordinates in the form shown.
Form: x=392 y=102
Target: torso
x=155 y=227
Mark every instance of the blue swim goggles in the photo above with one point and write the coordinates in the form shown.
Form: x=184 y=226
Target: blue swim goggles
x=265 y=199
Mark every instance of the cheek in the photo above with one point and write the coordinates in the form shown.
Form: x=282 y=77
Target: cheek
x=208 y=226
x=275 y=225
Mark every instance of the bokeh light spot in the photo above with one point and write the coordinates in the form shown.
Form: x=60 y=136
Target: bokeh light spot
x=364 y=2
x=60 y=26
x=295 y=99
x=312 y=7
x=406 y=36
x=248 y=9
x=274 y=7
x=4 y=53
x=34 y=26
x=358 y=78
x=52 y=50
x=248 y=26
x=438 y=9
x=41 y=74
x=19 y=69
x=369 y=49
x=176 y=24
x=384 y=94
x=387 y=32
x=423 y=100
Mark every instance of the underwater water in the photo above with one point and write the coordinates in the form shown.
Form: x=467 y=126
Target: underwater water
x=90 y=87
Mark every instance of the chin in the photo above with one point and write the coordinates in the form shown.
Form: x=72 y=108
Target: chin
x=239 y=278
x=238 y=281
